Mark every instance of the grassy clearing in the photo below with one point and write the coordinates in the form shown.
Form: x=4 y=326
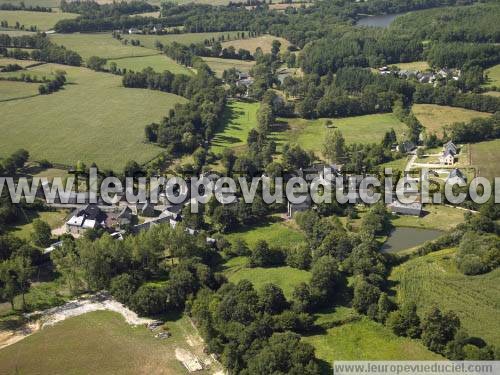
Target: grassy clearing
x=310 y=134
x=43 y=3
x=16 y=90
x=493 y=93
x=42 y=20
x=158 y=62
x=436 y=217
x=106 y=125
x=97 y=342
x=54 y=218
x=23 y=63
x=99 y=44
x=148 y=41
x=286 y=277
x=275 y=231
x=366 y=340
x=251 y=44
x=239 y=119
x=219 y=65
x=433 y=280
x=398 y=164
x=493 y=76
x=415 y=65
x=436 y=117
x=484 y=157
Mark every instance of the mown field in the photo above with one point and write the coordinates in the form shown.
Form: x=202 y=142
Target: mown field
x=285 y=277
x=433 y=280
x=158 y=62
x=148 y=41
x=493 y=76
x=484 y=157
x=17 y=90
x=251 y=44
x=435 y=117
x=92 y=119
x=274 y=230
x=97 y=342
x=415 y=65
x=43 y=3
x=239 y=119
x=99 y=44
x=42 y=20
x=310 y=134
x=219 y=65
x=436 y=217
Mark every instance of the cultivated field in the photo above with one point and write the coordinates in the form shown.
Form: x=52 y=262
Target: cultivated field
x=484 y=157
x=310 y=134
x=98 y=342
x=158 y=62
x=493 y=76
x=219 y=65
x=92 y=119
x=433 y=280
x=251 y=44
x=239 y=119
x=42 y=20
x=275 y=231
x=187 y=38
x=99 y=44
x=435 y=117
x=285 y=277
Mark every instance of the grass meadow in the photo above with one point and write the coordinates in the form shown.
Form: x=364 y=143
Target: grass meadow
x=285 y=277
x=24 y=229
x=98 y=342
x=148 y=41
x=415 y=65
x=17 y=90
x=435 y=117
x=309 y=134
x=159 y=63
x=275 y=230
x=42 y=20
x=239 y=118
x=251 y=44
x=219 y=65
x=433 y=280
x=436 y=217
x=43 y=3
x=493 y=76
x=92 y=119
x=484 y=157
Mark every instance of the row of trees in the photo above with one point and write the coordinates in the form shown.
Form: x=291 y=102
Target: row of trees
x=53 y=85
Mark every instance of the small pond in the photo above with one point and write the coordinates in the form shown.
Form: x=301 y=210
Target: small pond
x=405 y=238
x=378 y=21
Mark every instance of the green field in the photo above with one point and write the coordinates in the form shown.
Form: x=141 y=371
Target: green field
x=435 y=117
x=98 y=343
x=436 y=217
x=42 y=20
x=219 y=65
x=16 y=90
x=53 y=218
x=43 y=3
x=93 y=119
x=275 y=231
x=310 y=134
x=251 y=44
x=493 y=76
x=187 y=38
x=415 y=65
x=286 y=277
x=484 y=157
x=158 y=62
x=366 y=340
x=99 y=44
x=239 y=119
x=433 y=280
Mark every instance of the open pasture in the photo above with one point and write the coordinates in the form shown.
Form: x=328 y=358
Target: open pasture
x=484 y=157
x=159 y=63
x=251 y=44
x=493 y=74
x=435 y=117
x=92 y=119
x=433 y=280
x=42 y=20
x=219 y=65
x=16 y=90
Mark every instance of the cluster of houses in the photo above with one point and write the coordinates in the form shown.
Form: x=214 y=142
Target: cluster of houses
x=422 y=77
x=449 y=154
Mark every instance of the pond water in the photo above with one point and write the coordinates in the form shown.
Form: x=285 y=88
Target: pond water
x=406 y=238
x=378 y=21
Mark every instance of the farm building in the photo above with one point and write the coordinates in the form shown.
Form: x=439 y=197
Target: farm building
x=413 y=209
x=82 y=219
